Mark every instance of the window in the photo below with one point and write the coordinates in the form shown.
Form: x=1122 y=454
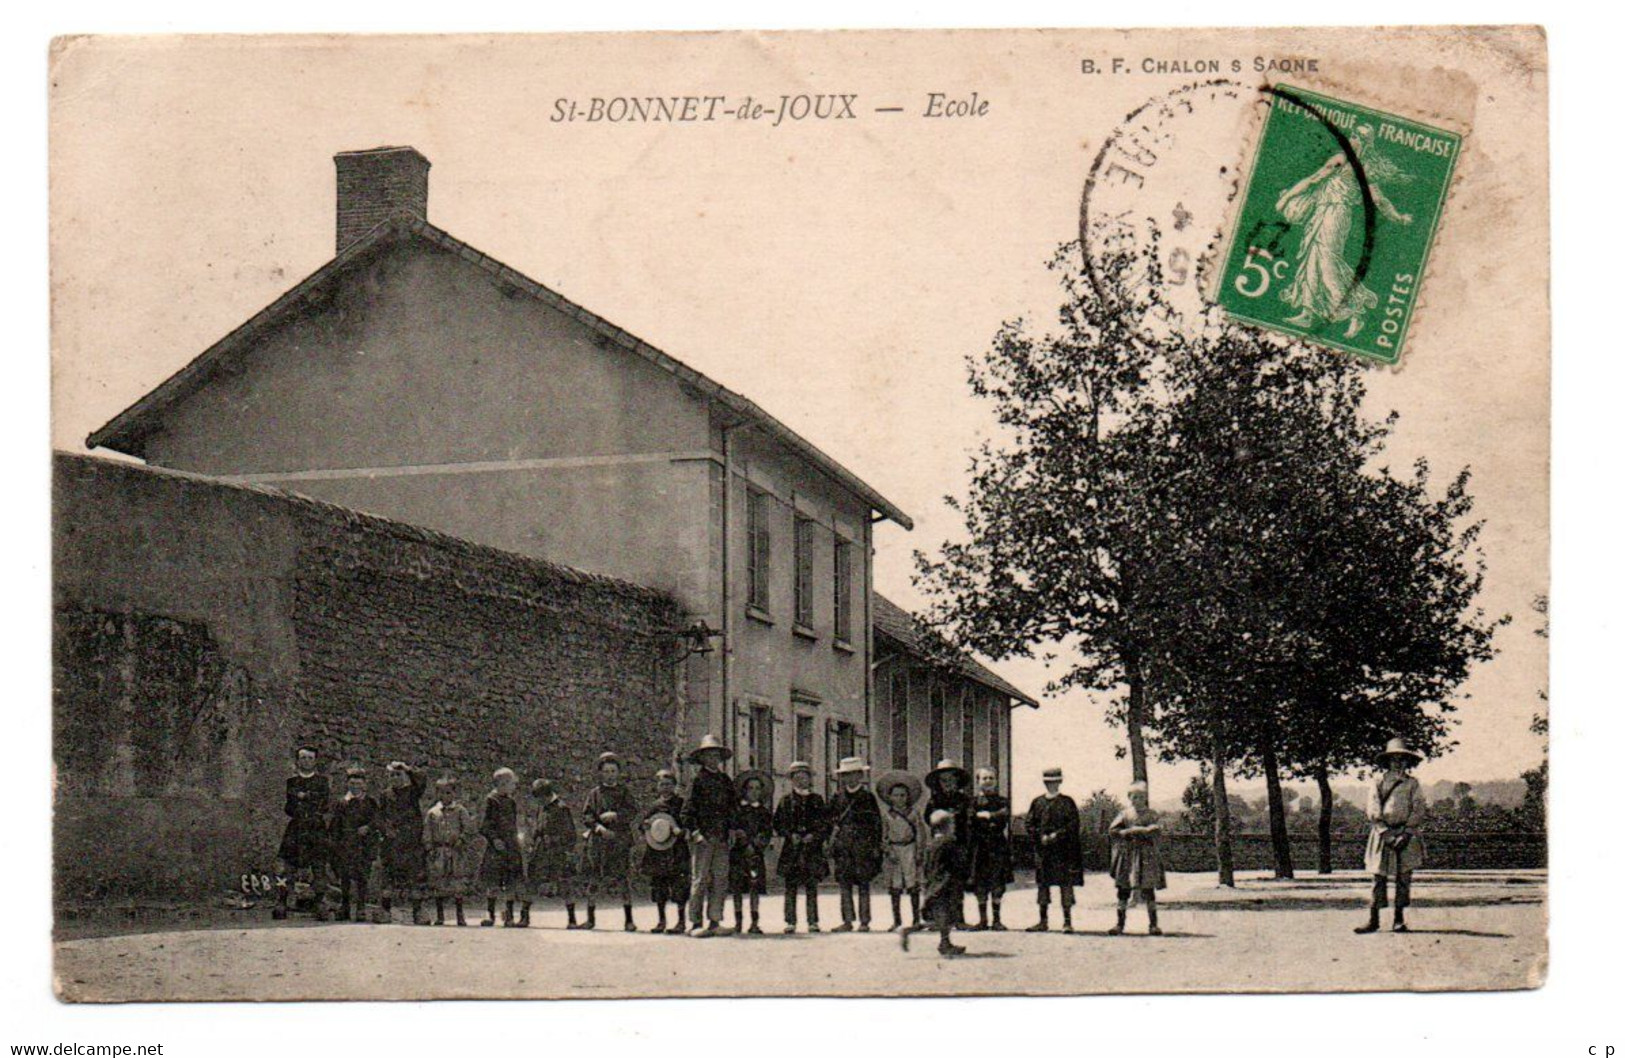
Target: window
x=842 y=742
x=939 y=722
x=804 y=738
x=843 y=590
x=967 y=727
x=760 y=737
x=805 y=527
x=899 y=718
x=756 y=573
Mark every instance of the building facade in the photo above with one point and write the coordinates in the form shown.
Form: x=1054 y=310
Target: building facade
x=935 y=703
x=414 y=378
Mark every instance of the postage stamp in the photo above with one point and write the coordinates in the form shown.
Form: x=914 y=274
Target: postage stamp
x=1340 y=210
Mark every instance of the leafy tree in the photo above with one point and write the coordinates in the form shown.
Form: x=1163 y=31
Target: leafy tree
x=1053 y=552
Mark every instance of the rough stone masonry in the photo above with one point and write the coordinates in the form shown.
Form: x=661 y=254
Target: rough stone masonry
x=203 y=630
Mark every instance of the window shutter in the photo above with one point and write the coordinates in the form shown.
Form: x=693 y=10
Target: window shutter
x=741 y=746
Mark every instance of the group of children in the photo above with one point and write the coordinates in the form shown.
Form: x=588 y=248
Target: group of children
x=928 y=842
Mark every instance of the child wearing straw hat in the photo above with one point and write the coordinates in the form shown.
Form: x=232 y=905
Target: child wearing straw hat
x=1394 y=849
x=949 y=784
x=802 y=820
x=905 y=842
x=449 y=832
x=1136 y=835
x=752 y=836
x=856 y=841
x=708 y=817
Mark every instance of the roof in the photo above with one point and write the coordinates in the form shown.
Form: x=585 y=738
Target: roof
x=908 y=632
x=127 y=431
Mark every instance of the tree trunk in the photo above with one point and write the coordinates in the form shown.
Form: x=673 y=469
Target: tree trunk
x=1279 y=841
x=1222 y=844
x=1324 y=781
x=1134 y=719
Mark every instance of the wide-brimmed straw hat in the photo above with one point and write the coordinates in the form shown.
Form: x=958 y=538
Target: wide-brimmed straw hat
x=799 y=765
x=851 y=766
x=754 y=773
x=710 y=742
x=933 y=778
x=1398 y=748
x=660 y=831
x=893 y=779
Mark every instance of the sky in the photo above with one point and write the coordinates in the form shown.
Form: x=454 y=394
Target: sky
x=837 y=273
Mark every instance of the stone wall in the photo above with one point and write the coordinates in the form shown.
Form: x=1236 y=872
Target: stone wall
x=204 y=630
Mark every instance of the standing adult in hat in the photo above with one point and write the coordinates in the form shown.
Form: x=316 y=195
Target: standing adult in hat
x=302 y=856
x=708 y=818
x=857 y=841
x=1394 y=849
x=802 y=820
x=608 y=816
x=400 y=821
x=1054 y=826
x=665 y=859
x=990 y=859
x=950 y=792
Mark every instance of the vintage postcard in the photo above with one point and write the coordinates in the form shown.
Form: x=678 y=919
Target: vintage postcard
x=846 y=513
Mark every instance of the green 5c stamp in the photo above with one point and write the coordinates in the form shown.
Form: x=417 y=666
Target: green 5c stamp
x=1340 y=210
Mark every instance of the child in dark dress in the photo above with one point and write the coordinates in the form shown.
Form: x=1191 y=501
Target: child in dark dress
x=400 y=821
x=552 y=867
x=752 y=836
x=302 y=856
x=609 y=815
x=354 y=841
x=665 y=859
x=502 y=872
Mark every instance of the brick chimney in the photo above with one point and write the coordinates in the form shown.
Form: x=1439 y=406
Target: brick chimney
x=377 y=184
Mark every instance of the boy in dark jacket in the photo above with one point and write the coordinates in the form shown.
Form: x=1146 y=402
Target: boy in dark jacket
x=502 y=872
x=354 y=840
x=302 y=856
x=752 y=837
x=989 y=845
x=949 y=784
x=857 y=841
x=1053 y=824
x=802 y=820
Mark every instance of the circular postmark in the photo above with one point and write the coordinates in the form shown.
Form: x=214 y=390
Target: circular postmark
x=1159 y=192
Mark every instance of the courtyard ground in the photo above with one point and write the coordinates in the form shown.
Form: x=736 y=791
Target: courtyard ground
x=1470 y=930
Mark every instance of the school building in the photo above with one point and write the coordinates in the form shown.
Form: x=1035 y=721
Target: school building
x=418 y=382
